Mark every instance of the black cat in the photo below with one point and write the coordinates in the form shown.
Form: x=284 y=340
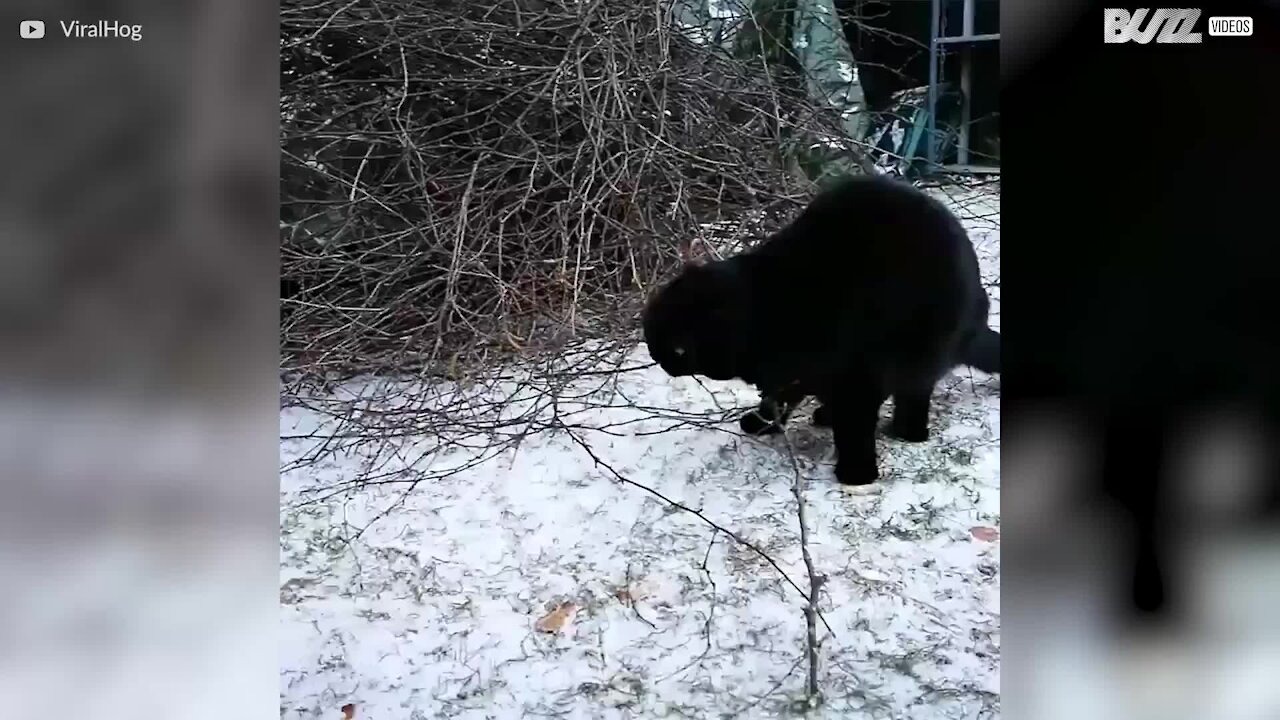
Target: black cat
x=873 y=290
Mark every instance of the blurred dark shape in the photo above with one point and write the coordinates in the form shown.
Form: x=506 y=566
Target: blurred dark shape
x=1151 y=318
x=1141 y=555
x=133 y=195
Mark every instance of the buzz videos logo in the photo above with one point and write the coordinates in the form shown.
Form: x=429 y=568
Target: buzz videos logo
x=1164 y=25
x=1168 y=26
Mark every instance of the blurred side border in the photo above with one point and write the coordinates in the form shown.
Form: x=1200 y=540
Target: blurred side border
x=138 y=361
x=1141 y=553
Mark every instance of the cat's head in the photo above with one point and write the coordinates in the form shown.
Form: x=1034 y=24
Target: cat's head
x=694 y=325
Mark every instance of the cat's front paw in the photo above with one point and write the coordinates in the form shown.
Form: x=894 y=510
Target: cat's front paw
x=857 y=474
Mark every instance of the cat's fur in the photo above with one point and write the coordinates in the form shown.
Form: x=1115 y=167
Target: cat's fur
x=873 y=290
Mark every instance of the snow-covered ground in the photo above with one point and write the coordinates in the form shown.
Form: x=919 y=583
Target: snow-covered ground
x=551 y=580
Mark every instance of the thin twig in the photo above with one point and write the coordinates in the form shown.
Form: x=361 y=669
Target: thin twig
x=812 y=691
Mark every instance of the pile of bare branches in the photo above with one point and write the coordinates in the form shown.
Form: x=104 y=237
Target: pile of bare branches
x=465 y=180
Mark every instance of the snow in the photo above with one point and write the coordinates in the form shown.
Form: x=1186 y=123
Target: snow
x=418 y=598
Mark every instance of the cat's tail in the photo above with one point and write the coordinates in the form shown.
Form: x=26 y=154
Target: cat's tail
x=983 y=351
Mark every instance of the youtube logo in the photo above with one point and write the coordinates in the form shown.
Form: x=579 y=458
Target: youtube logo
x=31 y=29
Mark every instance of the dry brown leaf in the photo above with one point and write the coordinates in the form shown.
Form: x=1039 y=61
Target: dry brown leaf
x=986 y=534
x=555 y=620
x=348 y=711
x=624 y=596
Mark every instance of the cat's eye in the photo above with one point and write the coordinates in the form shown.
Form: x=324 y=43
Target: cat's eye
x=679 y=352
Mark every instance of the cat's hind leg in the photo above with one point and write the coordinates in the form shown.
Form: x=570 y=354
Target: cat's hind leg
x=854 y=415
x=912 y=394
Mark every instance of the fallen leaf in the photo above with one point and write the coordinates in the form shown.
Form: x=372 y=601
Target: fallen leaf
x=986 y=534
x=624 y=596
x=348 y=711
x=554 y=621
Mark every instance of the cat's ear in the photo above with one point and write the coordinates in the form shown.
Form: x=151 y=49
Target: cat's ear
x=694 y=252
